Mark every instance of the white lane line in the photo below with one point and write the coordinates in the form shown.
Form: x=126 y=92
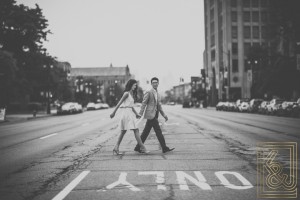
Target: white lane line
x=170 y=124
x=71 y=186
x=48 y=136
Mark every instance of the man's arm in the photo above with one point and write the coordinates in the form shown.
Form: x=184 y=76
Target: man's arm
x=162 y=111
x=144 y=102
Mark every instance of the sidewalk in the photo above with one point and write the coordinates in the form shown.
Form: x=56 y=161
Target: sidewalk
x=11 y=118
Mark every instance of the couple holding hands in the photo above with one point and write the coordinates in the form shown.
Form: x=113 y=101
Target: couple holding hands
x=152 y=107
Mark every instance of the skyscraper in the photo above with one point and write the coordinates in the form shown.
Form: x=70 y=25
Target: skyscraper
x=232 y=27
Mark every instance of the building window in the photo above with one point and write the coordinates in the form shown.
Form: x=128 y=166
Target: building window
x=255 y=32
x=246 y=3
x=212 y=13
x=212 y=27
x=254 y=3
x=234 y=31
x=264 y=17
x=263 y=32
x=247 y=32
x=234 y=48
x=233 y=16
x=219 y=7
x=264 y=3
x=212 y=40
x=246 y=15
x=235 y=65
x=213 y=55
x=233 y=3
x=255 y=16
x=247 y=47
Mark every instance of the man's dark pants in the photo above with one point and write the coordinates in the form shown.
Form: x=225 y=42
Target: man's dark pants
x=155 y=124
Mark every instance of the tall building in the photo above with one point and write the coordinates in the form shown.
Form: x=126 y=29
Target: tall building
x=231 y=28
x=182 y=92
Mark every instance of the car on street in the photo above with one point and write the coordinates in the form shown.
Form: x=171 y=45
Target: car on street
x=91 y=106
x=104 y=106
x=186 y=104
x=69 y=108
x=232 y=107
x=262 y=108
x=274 y=105
x=254 y=104
x=244 y=107
x=171 y=103
x=286 y=108
x=220 y=105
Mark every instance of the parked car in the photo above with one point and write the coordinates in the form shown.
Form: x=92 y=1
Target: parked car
x=98 y=106
x=78 y=107
x=274 y=105
x=262 y=108
x=104 y=106
x=91 y=106
x=244 y=107
x=233 y=107
x=285 y=109
x=171 y=103
x=240 y=101
x=220 y=105
x=296 y=109
x=254 y=104
x=186 y=104
x=69 y=108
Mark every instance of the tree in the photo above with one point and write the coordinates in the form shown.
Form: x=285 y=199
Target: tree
x=7 y=77
x=22 y=33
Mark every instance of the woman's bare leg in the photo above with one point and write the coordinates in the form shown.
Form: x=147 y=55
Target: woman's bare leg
x=138 y=139
x=120 y=139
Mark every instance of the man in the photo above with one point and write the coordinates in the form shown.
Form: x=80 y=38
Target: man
x=151 y=102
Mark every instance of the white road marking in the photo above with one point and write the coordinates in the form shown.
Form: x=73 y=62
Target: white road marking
x=48 y=136
x=122 y=181
x=226 y=183
x=201 y=182
x=71 y=186
x=176 y=124
x=160 y=179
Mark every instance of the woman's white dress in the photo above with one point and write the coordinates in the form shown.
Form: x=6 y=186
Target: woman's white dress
x=128 y=118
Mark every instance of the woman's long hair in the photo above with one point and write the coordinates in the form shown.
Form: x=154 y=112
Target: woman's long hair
x=128 y=87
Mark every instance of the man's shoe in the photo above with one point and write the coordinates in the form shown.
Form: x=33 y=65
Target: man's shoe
x=137 y=150
x=168 y=150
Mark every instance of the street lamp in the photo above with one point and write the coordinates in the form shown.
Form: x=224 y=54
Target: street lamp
x=48 y=95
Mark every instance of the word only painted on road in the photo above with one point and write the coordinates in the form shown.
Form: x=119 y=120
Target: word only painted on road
x=182 y=177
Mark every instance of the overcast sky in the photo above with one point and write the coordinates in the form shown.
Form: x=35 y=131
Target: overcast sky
x=163 y=38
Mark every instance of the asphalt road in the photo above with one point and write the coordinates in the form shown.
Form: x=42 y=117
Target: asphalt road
x=70 y=157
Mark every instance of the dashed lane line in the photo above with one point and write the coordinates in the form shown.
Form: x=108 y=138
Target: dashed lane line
x=47 y=136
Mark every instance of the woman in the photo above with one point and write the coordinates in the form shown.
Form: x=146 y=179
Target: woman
x=128 y=116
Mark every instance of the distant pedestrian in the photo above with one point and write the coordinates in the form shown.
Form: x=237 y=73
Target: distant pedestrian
x=129 y=116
